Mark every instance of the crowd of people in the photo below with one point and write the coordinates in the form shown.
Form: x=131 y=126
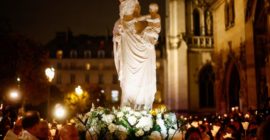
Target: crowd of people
x=253 y=125
x=31 y=127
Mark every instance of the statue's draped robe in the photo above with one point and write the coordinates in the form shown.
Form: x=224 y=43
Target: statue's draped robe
x=135 y=63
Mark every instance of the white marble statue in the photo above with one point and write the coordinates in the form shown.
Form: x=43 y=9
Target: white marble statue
x=134 y=40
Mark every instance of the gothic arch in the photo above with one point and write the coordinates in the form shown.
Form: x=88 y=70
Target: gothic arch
x=234 y=83
x=206 y=81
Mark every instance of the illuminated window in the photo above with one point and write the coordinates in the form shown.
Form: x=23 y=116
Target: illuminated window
x=158 y=65
x=88 y=66
x=115 y=95
x=59 y=54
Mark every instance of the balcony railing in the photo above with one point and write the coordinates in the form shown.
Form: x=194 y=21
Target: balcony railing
x=200 y=42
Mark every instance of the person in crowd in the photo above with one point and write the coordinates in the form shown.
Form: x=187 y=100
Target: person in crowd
x=193 y=134
x=203 y=131
x=264 y=130
x=14 y=133
x=68 y=132
x=43 y=130
x=5 y=123
x=30 y=124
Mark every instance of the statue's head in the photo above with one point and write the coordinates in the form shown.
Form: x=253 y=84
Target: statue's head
x=153 y=8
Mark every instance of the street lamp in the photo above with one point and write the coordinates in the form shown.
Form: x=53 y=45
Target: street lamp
x=59 y=111
x=14 y=95
x=49 y=72
x=79 y=91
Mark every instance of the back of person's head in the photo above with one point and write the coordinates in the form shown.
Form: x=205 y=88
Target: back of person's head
x=17 y=128
x=263 y=130
x=43 y=130
x=69 y=132
x=30 y=119
x=193 y=134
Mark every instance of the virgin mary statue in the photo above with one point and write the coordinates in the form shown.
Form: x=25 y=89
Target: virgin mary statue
x=134 y=57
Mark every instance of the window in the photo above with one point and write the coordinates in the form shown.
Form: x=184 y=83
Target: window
x=87 y=78
x=101 y=54
x=115 y=95
x=101 y=66
x=158 y=65
x=87 y=66
x=229 y=11
x=73 y=54
x=100 y=79
x=59 y=54
x=72 y=78
x=59 y=79
x=196 y=22
x=87 y=54
x=115 y=79
x=59 y=65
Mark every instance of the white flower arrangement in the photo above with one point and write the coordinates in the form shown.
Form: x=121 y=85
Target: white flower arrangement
x=126 y=123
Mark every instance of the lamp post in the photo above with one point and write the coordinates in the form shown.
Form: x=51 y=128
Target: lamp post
x=79 y=91
x=14 y=95
x=50 y=72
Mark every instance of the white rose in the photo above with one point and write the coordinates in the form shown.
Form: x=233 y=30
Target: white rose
x=155 y=135
x=121 y=128
x=112 y=127
x=108 y=118
x=132 y=120
x=146 y=123
x=163 y=128
x=120 y=114
x=139 y=133
x=137 y=114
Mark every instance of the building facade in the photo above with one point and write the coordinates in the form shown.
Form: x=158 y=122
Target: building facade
x=217 y=54
x=189 y=34
x=88 y=61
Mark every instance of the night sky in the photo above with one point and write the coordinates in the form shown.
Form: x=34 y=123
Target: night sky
x=41 y=19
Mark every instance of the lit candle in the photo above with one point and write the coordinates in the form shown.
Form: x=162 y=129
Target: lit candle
x=245 y=125
x=53 y=131
x=247 y=116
